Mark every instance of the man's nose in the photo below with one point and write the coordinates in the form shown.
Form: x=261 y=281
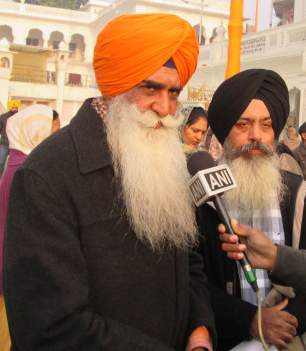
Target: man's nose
x=255 y=133
x=162 y=105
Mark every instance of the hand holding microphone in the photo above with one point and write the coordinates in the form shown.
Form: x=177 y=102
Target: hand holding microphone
x=261 y=251
x=208 y=181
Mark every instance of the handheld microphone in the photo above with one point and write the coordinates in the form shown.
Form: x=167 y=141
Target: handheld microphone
x=207 y=182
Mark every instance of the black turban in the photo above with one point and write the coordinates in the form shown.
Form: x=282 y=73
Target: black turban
x=235 y=94
x=302 y=129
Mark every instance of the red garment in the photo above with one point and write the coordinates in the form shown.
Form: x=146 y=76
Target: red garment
x=16 y=158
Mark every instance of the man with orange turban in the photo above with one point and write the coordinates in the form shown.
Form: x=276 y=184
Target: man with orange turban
x=12 y=107
x=100 y=223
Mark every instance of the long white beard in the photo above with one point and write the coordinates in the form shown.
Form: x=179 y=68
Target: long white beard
x=151 y=167
x=257 y=176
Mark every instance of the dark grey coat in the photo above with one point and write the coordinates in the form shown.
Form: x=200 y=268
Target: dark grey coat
x=300 y=155
x=75 y=276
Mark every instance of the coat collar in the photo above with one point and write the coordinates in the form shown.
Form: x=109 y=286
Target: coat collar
x=89 y=137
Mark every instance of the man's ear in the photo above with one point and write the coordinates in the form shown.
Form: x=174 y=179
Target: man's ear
x=304 y=136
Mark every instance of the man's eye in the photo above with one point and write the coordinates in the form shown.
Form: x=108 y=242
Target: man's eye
x=175 y=92
x=242 y=124
x=150 y=88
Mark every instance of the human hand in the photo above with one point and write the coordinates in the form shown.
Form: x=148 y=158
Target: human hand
x=278 y=327
x=260 y=249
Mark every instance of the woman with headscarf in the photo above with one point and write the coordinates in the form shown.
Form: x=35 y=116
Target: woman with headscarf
x=25 y=130
x=291 y=139
x=193 y=129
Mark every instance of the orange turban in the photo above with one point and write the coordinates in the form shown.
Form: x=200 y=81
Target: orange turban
x=132 y=47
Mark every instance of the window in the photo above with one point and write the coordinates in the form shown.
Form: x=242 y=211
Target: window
x=5 y=62
x=55 y=44
x=72 y=49
x=32 y=41
x=75 y=79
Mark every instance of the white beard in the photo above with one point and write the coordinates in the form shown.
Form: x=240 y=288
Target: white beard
x=258 y=178
x=152 y=172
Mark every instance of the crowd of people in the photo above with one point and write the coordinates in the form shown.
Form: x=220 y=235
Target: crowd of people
x=101 y=244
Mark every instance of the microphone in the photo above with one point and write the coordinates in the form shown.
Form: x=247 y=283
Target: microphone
x=207 y=182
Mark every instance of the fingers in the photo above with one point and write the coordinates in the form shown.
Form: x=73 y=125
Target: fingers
x=279 y=327
x=240 y=229
x=235 y=255
x=280 y=306
x=229 y=238
x=221 y=228
x=286 y=336
x=289 y=318
x=234 y=251
x=284 y=341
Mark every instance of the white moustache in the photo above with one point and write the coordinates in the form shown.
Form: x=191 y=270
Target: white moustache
x=149 y=119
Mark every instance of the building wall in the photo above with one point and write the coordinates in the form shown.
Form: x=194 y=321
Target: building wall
x=281 y=49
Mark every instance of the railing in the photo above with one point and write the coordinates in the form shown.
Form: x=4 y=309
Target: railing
x=32 y=74
x=53 y=11
x=208 y=4
x=22 y=73
x=76 y=55
x=200 y=93
x=279 y=41
x=72 y=15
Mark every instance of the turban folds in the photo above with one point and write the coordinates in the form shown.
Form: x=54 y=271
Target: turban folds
x=132 y=47
x=11 y=103
x=235 y=94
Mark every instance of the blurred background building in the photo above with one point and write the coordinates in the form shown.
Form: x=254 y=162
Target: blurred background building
x=46 y=52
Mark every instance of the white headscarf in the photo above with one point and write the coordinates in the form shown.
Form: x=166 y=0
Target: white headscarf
x=27 y=128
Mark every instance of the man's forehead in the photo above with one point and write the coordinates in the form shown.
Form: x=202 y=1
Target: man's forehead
x=165 y=76
x=256 y=109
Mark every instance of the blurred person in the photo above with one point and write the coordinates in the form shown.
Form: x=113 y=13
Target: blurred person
x=100 y=223
x=300 y=151
x=285 y=265
x=291 y=139
x=266 y=198
x=25 y=130
x=193 y=128
x=287 y=160
x=56 y=122
x=212 y=145
x=12 y=106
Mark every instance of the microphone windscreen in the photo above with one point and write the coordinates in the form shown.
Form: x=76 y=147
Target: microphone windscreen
x=199 y=161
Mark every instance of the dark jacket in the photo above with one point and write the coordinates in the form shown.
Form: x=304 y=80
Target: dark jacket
x=233 y=315
x=292 y=274
x=75 y=275
x=300 y=155
x=3 y=120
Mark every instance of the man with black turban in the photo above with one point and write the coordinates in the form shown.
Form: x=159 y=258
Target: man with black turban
x=100 y=221
x=247 y=114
